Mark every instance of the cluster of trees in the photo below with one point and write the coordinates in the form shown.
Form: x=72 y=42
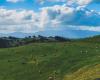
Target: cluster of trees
x=6 y=42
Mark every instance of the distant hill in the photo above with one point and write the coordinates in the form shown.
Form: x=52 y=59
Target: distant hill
x=68 y=33
x=6 y=42
x=63 y=33
x=20 y=34
x=19 y=38
x=94 y=39
x=3 y=35
x=16 y=34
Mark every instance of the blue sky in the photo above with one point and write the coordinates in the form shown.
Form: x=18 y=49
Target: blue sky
x=31 y=16
x=28 y=4
x=35 y=5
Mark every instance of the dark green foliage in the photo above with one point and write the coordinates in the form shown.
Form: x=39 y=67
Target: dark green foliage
x=6 y=42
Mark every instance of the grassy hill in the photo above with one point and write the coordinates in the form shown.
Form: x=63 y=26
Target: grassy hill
x=77 y=60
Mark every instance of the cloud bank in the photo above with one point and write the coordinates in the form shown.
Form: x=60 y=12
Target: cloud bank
x=54 y=17
x=14 y=1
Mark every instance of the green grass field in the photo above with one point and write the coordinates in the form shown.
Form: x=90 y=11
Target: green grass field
x=75 y=60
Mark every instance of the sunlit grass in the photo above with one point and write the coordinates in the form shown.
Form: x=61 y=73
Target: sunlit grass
x=41 y=61
x=85 y=73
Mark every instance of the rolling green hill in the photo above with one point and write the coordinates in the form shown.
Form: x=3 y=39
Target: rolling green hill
x=76 y=60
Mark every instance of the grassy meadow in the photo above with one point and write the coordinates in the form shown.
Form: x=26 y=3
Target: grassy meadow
x=76 y=60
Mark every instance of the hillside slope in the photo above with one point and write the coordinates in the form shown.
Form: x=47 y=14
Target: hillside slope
x=86 y=73
x=51 y=61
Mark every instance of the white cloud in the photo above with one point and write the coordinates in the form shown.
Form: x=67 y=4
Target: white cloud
x=51 y=1
x=83 y=2
x=14 y=1
x=72 y=2
x=57 y=0
x=49 y=18
x=73 y=16
x=64 y=15
x=44 y=18
x=13 y=20
x=90 y=28
x=77 y=3
x=69 y=2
